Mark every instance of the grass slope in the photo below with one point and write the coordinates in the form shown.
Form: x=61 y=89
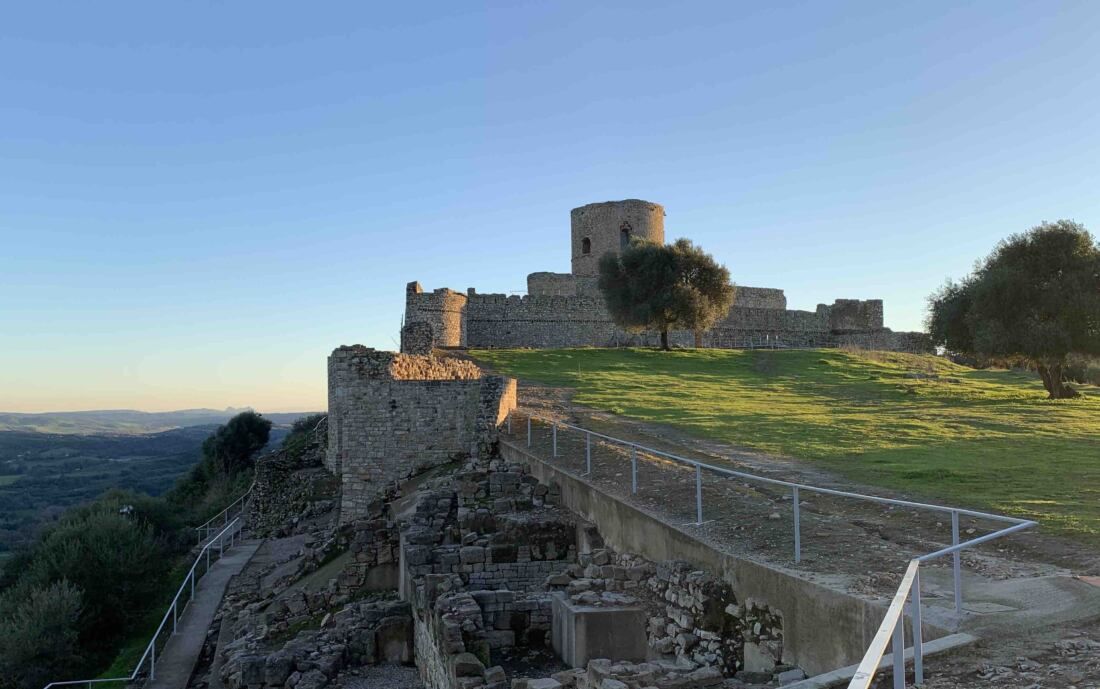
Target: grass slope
x=988 y=439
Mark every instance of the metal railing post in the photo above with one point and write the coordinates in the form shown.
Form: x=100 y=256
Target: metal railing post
x=192 y=584
x=956 y=562
x=634 y=469
x=797 y=528
x=587 y=453
x=528 y=430
x=173 y=617
x=208 y=558
x=698 y=494
x=917 y=634
x=509 y=421
x=899 y=655
x=153 y=658
x=555 y=432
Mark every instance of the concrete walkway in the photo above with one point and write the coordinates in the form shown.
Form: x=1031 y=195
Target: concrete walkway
x=177 y=661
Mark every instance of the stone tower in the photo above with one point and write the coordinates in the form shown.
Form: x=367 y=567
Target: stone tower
x=599 y=228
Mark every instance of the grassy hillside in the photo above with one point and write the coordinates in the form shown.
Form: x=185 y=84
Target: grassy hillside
x=916 y=423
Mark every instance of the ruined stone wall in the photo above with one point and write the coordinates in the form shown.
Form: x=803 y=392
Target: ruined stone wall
x=392 y=416
x=759 y=298
x=853 y=315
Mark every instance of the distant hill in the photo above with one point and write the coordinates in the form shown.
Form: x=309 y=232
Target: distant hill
x=125 y=421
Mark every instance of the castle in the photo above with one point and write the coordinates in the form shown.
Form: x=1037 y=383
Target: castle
x=567 y=309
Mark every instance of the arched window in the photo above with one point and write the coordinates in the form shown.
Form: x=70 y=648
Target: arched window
x=586 y=246
x=624 y=235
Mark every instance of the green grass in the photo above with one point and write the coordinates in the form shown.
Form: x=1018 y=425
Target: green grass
x=989 y=439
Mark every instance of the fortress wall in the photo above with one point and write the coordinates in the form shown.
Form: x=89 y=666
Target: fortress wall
x=395 y=415
x=855 y=315
x=759 y=298
x=443 y=309
x=539 y=321
x=543 y=320
x=552 y=284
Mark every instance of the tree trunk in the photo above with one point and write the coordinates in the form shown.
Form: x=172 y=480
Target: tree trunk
x=698 y=339
x=664 y=340
x=1055 y=384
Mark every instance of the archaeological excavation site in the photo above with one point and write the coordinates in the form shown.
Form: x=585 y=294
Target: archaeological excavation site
x=448 y=529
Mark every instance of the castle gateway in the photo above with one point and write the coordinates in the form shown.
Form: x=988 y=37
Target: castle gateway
x=567 y=309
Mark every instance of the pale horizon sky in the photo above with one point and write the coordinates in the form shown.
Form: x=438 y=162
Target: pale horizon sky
x=200 y=201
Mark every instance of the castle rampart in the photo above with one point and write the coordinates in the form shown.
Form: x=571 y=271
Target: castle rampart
x=567 y=309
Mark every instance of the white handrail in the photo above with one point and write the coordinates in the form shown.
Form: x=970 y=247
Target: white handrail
x=203 y=530
x=910 y=585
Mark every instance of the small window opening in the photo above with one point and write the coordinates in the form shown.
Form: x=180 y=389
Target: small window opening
x=586 y=246
x=624 y=235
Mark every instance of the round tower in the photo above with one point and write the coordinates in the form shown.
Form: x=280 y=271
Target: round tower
x=608 y=227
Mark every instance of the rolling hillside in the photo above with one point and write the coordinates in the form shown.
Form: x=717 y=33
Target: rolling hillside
x=988 y=438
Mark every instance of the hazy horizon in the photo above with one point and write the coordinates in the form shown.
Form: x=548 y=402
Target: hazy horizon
x=202 y=201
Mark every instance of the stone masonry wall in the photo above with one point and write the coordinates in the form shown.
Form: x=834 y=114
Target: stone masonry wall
x=443 y=309
x=392 y=416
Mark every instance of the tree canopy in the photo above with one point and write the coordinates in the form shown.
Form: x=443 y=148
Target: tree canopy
x=232 y=446
x=1036 y=297
x=662 y=287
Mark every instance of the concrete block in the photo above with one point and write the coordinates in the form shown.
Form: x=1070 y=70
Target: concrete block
x=580 y=632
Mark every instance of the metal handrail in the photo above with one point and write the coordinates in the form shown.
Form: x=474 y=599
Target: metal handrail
x=910 y=586
x=174 y=611
x=203 y=530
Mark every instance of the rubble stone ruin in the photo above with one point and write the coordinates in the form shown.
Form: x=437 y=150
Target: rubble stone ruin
x=567 y=310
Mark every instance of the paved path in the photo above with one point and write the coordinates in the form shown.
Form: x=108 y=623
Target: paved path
x=176 y=663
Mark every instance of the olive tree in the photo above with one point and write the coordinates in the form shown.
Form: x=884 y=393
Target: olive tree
x=662 y=287
x=1036 y=297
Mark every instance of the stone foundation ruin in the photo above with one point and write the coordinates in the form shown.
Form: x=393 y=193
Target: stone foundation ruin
x=567 y=310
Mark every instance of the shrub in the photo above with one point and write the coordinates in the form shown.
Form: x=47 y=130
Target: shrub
x=38 y=634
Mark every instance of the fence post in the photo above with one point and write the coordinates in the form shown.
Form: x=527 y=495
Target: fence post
x=587 y=453
x=509 y=420
x=528 y=430
x=918 y=635
x=797 y=528
x=956 y=562
x=634 y=469
x=698 y=494
x=555 y=432
x=153 y=658
x=899 y=654
x=173 y=617
x=192 y=584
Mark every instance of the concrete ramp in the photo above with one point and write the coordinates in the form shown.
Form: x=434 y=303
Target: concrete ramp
x=177 y=661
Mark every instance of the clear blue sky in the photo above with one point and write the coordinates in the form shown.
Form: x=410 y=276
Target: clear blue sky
x=199 y=201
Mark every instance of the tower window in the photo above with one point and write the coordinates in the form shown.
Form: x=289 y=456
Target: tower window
x=586 y=246
x=624 y=235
